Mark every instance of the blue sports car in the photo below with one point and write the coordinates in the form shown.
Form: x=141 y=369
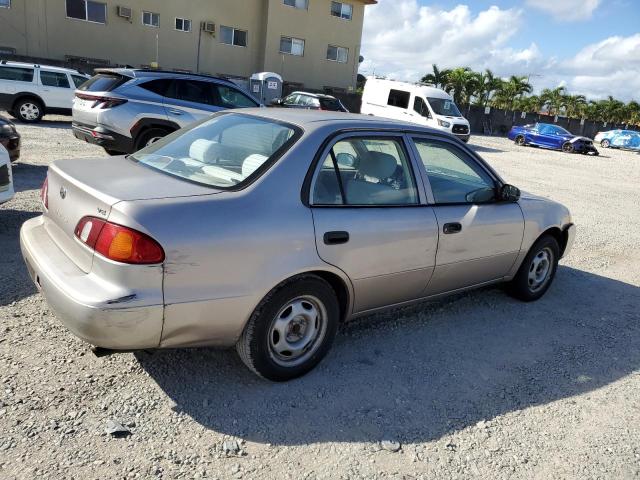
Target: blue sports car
x=629 y=139
x=547 y=135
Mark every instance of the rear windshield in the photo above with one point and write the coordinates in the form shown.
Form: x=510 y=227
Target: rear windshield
x=330 y=104
x=225 y=151
x=442 y=106
x=103 y=83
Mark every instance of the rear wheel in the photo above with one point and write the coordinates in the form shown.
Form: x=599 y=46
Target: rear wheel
x=28 y=110
x=520 y=140
x=567 y=147
x=291 y=330
x=605 y=143
x=113 y=153
x=150 y=136
x=537 y=270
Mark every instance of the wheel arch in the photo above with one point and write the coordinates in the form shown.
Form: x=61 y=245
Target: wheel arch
x=24 y=95
x=561 y=236
x=148 y=123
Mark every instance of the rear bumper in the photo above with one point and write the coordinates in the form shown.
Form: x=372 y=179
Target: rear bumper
x=12 y=144
x=93 y=309
x=103 y=137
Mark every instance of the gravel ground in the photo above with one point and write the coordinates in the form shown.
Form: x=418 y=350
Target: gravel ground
x=475 y=386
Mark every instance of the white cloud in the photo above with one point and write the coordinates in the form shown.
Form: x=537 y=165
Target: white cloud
x=402 y=39
x=566 y=10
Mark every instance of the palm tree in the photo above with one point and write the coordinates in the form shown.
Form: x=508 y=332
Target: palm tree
x=457 y=84
x=510 y=91
x=554 y=99
x=438 y=78
x=488 y=83
x=633 y=113
x=573 y=105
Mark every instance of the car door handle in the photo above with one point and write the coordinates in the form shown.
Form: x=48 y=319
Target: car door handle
x=175 y=112
x=450 y=228
x=336 y=238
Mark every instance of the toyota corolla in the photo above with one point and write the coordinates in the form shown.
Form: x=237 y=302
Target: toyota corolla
x=267 y=229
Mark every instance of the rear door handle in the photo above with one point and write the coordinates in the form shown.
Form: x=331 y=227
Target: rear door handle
x=175 y=112
x=450 y=228
x=336 y=238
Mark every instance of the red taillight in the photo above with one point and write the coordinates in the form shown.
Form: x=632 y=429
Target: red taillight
x=101 y=101
x=118 y=243
x=44 y=193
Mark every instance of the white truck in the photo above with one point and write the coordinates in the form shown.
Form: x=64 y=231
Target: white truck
x=414 y=103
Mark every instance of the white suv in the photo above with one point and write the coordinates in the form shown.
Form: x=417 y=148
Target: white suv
x=29 y=91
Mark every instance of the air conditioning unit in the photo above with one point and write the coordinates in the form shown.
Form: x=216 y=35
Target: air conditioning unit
x=209 y=27
x=124 y=12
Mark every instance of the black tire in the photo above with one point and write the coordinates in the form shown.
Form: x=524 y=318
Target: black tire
x=255 y=345
x=149 y=136
x=567 y=147
x=112 y=153
x=520 y=287
x=520 y=141
x=605 y=143
x=28 y=110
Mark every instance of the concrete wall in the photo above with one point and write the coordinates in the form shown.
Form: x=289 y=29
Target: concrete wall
x=40 y=28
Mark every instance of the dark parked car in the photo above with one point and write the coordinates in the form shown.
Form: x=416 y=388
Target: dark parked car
x=546 y=135
x=311 y=101
x=10 y=138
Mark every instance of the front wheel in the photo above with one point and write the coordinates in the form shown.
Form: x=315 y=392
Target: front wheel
x=291 y=330
x=537 y=270
x=605 y=143
x=520 y=141
x=149 y=137
x=567 y=147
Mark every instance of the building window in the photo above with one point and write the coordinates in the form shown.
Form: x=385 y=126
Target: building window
x=87 y=10
x=302 y=4
x=337 y=54
x=5 y=3
x=151 y=19
x=292 y=46
x=183 y=25
x=342 y=10
x=233 y=36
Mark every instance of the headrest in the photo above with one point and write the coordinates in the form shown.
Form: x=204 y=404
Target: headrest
x=378 y=165
x=252 y=163
x=205 y=151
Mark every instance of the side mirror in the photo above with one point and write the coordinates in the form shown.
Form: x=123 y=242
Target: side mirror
x=509 y=193
x=346 y=160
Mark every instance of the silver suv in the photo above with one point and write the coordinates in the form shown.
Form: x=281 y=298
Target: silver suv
x=124 y=110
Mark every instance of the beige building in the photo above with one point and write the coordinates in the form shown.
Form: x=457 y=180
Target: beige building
x=315 y=43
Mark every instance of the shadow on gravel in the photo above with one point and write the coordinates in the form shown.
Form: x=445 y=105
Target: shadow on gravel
x=50 y=123
x=27 y=176
x=15 y=283
x=481 y=149
x=418 y=374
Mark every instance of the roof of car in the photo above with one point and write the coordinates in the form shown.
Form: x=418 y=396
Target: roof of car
x=32 y=65
x=314 y=119
x=314 y=95
x=154 y=73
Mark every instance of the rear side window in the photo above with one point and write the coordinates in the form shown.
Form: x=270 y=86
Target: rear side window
x=399 y=98
x=158 y=87
x=16 y=74
x=54 y=79
x=103 y=83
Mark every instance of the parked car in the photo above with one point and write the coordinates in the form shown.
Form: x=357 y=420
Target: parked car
x=627 y=139
x=418 y=104
x=266 y=229
x=546 y=135
x=311 y=101
x=29 y=91
x=10 y=138
x=123 y=110
x=6 y=180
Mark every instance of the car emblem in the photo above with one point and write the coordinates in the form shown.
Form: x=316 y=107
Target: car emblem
x=63 y=193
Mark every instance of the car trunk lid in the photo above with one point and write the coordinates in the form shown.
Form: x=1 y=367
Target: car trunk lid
x=90 y=187
x=94 y=95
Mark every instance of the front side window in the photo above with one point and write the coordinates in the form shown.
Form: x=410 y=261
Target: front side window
x=78 y=80
x=342 y=10
x=443 y=106
x=232 y=98
x=233 y=36
x=151 y=19
x=87 y=10
x=54 y=79
x=292 y=46
x=225 y=151
x=420 y=107
x=302 y=4
x=16 y=74
x=365 y=171
x=337 y=54
x=399 y=98
x=453 y=175
x=183 y=25
x=192 y=91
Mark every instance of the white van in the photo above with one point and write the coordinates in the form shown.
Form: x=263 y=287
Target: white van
x=414 y=103
x=29 y=91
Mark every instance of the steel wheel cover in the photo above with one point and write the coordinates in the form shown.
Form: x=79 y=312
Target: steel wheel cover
x=29 y=111
x=540 y=269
